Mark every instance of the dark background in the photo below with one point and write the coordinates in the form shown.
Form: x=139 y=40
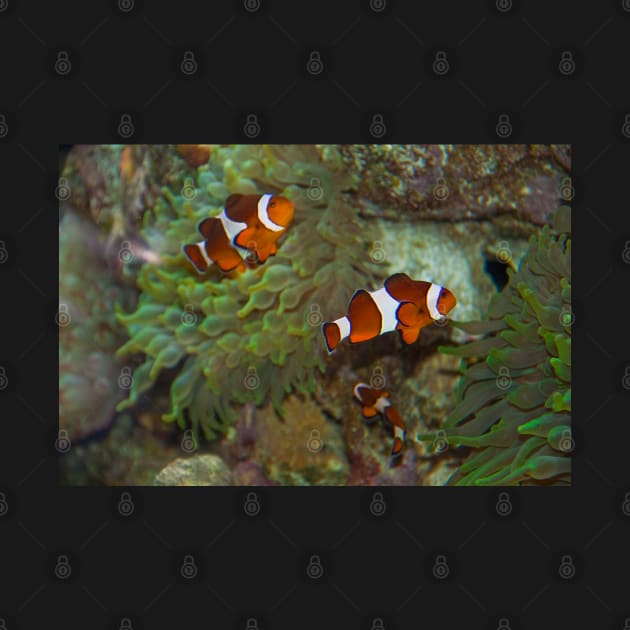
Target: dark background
x=124 y=58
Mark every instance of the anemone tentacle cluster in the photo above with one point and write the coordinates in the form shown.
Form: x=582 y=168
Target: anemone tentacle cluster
x=514 y=396
x=240 y=338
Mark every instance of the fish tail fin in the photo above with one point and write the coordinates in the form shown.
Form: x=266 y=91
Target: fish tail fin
x=397 y=447
x=332 y=335
x=196 y=254
x=399 y=427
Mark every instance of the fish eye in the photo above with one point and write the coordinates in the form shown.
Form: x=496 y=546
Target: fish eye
x=272 y=204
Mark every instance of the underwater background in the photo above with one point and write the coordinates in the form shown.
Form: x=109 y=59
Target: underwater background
x=167 y=377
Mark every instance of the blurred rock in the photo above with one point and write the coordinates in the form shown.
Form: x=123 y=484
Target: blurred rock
x=198 y=470
x=455 y=182
x=303 y=449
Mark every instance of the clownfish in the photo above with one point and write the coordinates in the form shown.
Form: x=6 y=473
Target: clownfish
x=249 y=226
x=402 y=304
x=377 y=401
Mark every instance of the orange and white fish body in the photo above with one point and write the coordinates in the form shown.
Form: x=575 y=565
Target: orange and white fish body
x=402 y=304
x=245 y=233
x=376 y=401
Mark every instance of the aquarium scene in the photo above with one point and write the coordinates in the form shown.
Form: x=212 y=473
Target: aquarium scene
x=336 y=315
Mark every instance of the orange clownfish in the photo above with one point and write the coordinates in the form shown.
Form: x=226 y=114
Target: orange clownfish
x=249 y=225
x=402 y=304
x=377 y=401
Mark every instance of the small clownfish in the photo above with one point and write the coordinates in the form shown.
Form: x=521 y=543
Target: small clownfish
x=377 y=401
x=402 y=304
x=249 y=224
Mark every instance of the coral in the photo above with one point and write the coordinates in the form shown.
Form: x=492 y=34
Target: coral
x=88 y=331
x=456 y=182
x=198 y=470
x=514 y=397
x=304 y=449
x=244 y=338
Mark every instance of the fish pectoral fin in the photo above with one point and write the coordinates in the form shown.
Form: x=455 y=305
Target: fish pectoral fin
x=369 y=412
x=407 y=314
x=409 y=335
x=247 y=239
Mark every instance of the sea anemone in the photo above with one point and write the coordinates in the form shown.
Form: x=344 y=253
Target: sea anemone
x=241 y=338
x=514 y=397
